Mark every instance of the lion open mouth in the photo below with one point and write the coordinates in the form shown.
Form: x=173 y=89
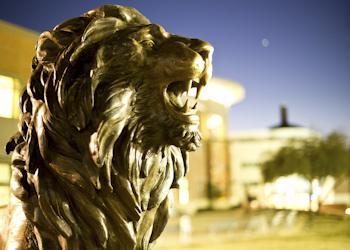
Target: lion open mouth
x=181 y=99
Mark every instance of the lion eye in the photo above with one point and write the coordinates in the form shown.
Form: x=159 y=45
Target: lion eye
x=147 y=43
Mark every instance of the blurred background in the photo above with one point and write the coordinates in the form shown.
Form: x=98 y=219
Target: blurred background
x=274 y=167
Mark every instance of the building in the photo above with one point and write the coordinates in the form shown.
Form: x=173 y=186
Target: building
x=17 y=47
x=248 y=149
x=209 y=175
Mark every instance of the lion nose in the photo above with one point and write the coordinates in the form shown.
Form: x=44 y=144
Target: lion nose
x=199 y=64
x=203 y=48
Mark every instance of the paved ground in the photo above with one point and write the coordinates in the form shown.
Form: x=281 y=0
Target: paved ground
x=259 y=230
x=267 y=244
x=255 y=230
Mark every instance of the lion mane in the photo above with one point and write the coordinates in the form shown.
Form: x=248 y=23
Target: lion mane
x=103 y=134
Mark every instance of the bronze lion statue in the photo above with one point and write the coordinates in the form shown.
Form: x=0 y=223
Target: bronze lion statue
x=105 y=131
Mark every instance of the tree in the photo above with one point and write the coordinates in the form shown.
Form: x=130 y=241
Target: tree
x=314 y=158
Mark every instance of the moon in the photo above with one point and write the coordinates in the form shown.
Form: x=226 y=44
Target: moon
x=265 y=42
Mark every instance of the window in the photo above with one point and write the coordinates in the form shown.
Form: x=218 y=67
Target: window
x=9 y=97
x=5 y=174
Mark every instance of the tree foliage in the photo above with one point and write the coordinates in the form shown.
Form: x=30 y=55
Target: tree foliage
x=314 y=158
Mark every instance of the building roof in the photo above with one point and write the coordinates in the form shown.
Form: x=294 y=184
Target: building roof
x=284 y=122
x=283 y=130
x=278 y=133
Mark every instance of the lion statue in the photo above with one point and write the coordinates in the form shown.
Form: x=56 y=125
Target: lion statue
x=104 y=133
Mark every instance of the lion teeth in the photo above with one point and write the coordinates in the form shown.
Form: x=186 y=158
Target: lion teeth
x=199 y=90
x=192 y=92
x=186 y=106
x=188 y=85
x=183 y=99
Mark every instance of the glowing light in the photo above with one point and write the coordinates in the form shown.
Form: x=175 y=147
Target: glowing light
x=5 y=171
x=291 y=192
x=347 y=211
x=8 y=95
x=183 y=192
x=185 y=228
x=214 y=121
x=223 y=91
x=314 y=197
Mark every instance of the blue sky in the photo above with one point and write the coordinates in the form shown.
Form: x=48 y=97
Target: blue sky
x=305 y=66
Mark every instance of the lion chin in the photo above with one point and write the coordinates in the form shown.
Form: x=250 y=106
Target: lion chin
x=108 y=118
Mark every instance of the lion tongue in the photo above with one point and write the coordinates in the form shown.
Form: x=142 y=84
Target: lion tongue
x=179 y=100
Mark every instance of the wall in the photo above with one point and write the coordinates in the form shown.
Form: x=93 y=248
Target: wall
x=17 y=47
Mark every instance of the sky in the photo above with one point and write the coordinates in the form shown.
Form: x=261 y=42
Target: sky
x=291 y=52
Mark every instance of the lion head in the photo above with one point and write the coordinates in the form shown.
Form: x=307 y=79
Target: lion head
x=107 y=121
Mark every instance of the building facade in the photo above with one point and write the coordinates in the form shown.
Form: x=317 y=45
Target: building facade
x=17 y=48
x=248 y=149
x=209 y=175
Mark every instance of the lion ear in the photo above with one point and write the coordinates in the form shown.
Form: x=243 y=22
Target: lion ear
x=47 y=49
x=52 y=43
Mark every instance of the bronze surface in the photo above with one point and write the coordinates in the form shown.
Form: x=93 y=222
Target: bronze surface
x=105 y=131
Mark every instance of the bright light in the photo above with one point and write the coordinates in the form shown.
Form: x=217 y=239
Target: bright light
x=8 y=96
x=222 y=91
x=185 y=228
x=347 y=211
x=290 y=192
x=314 y=197
x=183 y=192
x=214 y=121
x=5 y=171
